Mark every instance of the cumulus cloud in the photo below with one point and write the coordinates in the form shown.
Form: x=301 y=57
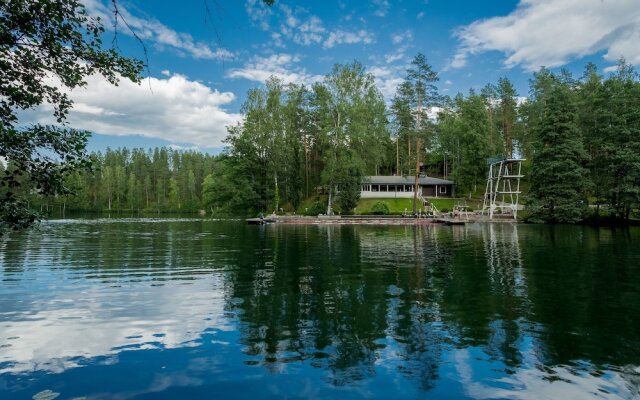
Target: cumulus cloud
x=552 y=32
x=282 y=66
x=156 y=32
x=387 y=79
x=175 y=109
x=346 y=37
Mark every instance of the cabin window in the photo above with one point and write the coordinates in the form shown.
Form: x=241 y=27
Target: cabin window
x=443 y=189
x=375 y=188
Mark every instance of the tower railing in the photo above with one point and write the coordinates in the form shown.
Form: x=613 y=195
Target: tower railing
x=502 y=193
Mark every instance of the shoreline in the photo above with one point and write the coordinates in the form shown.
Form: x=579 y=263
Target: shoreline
x=380 y=220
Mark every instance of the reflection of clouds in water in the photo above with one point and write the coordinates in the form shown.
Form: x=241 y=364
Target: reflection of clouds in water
x=105 y=322
x=532 y=382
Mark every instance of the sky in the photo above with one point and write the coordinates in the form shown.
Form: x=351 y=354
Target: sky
x=204 y=55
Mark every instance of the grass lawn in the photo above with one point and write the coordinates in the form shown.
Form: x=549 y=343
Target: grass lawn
x=399 y=206
x=396 y=205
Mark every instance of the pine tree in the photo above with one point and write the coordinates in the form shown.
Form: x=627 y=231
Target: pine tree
x=559 y=177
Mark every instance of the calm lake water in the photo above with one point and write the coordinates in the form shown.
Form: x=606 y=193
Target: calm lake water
x=201 y=309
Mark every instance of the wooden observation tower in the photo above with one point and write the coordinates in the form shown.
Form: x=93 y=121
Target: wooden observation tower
x=503 y=186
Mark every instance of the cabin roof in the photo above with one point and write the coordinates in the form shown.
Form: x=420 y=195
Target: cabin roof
x=405 y=180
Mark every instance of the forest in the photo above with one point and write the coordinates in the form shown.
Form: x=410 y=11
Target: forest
x=579 y=135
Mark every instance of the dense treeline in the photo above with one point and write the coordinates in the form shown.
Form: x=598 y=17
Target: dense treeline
x=158 y=180
x=580 y=137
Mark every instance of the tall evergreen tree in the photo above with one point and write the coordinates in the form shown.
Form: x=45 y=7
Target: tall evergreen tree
x=559 y=177
x=507 y=114
x=420 y=83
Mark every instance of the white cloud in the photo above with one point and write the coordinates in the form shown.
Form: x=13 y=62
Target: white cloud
x=612 y=68
x=553 y=32
x=345 y=37
x=282 y=66
x=155 y=32
x=387 y=79
x=297 y=25
x=420 y=15
x=301 y=28
x=175 y=109
x=402 y=37
x=259 y=13
x=402 y=41
x=382 y=7
x=393 y=57
x=309 y=31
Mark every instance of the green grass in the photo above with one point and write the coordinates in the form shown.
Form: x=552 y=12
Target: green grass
x=399 y=206
x=308 y=202
x=396 y=206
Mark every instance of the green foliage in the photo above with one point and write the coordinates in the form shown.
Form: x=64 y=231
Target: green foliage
x=161 y=180
x=399 y=206
x=41 y=39
x=611 y=122
x=464 y=134
x=350 y=113
x=559 y=178
x=316 y=208
x=380 y=208
x=409 y=114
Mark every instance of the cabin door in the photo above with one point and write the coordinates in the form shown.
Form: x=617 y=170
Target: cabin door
x=428 y=191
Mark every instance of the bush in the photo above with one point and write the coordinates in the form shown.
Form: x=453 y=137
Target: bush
x=316 y=208
x=380 y=208
x=444 y=210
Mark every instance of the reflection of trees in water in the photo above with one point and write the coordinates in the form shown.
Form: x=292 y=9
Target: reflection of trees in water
x=311 y=299
x=332 y=294
x=347 y=299
x=583 y=287
x=119 y=251
x=12 y=255
x=482 y=296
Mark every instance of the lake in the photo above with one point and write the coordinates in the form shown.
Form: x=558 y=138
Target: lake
x=206 y=309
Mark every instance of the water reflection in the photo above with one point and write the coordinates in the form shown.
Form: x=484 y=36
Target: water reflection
x=477 y=311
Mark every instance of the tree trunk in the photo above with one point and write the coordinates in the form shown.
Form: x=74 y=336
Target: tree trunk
x=330 y=199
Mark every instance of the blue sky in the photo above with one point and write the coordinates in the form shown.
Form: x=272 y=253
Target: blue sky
x=203 y=62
